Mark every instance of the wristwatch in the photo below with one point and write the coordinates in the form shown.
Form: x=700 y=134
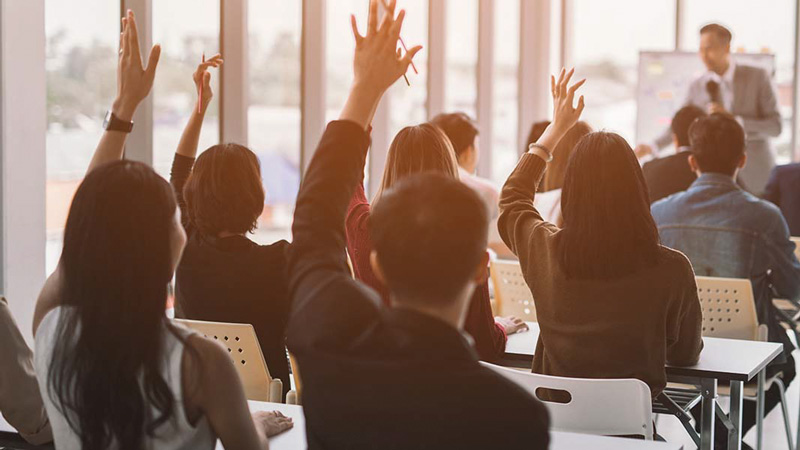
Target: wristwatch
x=114 y=123
x=541 y=151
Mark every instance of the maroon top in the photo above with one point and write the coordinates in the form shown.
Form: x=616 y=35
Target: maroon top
x=490 y=338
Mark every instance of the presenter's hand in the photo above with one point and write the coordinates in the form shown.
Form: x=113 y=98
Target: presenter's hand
x=642 y=150
x=716 y=108
x=134 y=81
x=511 y=324
x=272 y=422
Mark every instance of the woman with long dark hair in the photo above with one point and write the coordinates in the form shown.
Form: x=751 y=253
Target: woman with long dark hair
x=114 y=371
x=611 y=301
x=419 y=149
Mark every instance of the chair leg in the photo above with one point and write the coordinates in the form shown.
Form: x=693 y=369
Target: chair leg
x=784 y=408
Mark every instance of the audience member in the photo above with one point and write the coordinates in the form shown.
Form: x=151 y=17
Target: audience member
x=783 y=189
x=671 y=174
x=115 y=372
x=418 y=379
x=548 y=200
x=727 y=232
x=223 y=276
x=611 y=302
x=419 y=149
x=20 y=401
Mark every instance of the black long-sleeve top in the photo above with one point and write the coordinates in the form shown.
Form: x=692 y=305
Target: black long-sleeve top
x=234 y=280
x=376 y=377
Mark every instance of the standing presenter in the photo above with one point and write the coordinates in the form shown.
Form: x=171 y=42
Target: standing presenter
x=744 y=92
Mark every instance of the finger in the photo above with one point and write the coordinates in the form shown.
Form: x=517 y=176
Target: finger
x=134 y=39
x=552 y=84
x=560 y=78
x=410 y=56
x=386 y=22
x=581 y=105
x=356 y=34
x=397 y=26
x=207 y=81
x=372 y=21
x=571 y=91
x=152 y=63
x=126 y=30
x=563 y=86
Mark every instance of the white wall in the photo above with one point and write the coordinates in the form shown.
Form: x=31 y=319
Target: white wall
x=23 y=124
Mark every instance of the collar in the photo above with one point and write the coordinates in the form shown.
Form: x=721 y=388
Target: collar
x=727 y=77
x=462 y=173
x=435 y=336
x=718 y=179
x=683 y=148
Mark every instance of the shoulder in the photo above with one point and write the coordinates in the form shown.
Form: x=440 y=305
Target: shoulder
x=752 y=72
x=675 y=262
x=662 y=207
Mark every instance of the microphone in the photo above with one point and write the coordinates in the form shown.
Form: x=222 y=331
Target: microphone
x=712 y=87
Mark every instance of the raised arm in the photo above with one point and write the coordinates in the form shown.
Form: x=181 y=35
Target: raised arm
x=519 y=221
x=318 y=270
x=134 y=82
x=187 y=147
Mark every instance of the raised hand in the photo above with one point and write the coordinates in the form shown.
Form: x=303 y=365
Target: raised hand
x=202 y=81
x=134 y=81
x=565 y=115
x=377 y=63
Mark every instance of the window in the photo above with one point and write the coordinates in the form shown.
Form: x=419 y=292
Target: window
x=605 y=49
x=274 y=111
x=505 y=89
x=183 y=38
x=461 y=90
x=767 y=29
x=82 y=45
x=340 y=47
x=408 y=103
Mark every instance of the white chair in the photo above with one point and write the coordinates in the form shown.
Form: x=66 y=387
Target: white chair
x=245 y=352
x=729 y=311
x=610 y=407
x=512 y=295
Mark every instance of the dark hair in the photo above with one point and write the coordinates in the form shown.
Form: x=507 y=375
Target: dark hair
x=718 y=143
x=537 y=129
x=722 y=33
x=115 y=268
x=417 y=149
x=224 y=191
x=682 y=120
x=430 y=233
x=554 y=177
x=459 y=128
x=608 y=231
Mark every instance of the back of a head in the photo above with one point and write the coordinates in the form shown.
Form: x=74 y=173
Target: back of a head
x=537 y=129
x=608 y=231
x=430 y=235
x=682 y=120
x=722 y=33
x=459 y=128
x=554 y=177
x=224 y=192
x=115 y=267
x=718 y=143
x=418 y=149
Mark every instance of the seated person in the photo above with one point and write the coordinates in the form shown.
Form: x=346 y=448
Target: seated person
x=611 y=302
x=727 y=232
x=417 y=149
x=224 y=276
x=114 y=372
x=402 y=377
x=20 y=401
x=462 y=133
x=671 y=174
x=783 y=189
x=548 y=200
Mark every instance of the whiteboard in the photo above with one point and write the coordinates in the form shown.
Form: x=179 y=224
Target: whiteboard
x=664 y=78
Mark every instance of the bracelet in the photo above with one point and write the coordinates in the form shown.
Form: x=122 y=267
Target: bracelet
x=541 y=151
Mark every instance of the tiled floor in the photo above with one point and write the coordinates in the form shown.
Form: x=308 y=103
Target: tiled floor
x=774 y=435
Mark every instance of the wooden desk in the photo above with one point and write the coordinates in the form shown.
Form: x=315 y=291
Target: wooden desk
x=295 y=439
x=725 y=360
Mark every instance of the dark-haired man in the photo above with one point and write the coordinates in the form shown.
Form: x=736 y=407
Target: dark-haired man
x=727 y=232
x=404 y=377
x=745 y=92
x=671 y=174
